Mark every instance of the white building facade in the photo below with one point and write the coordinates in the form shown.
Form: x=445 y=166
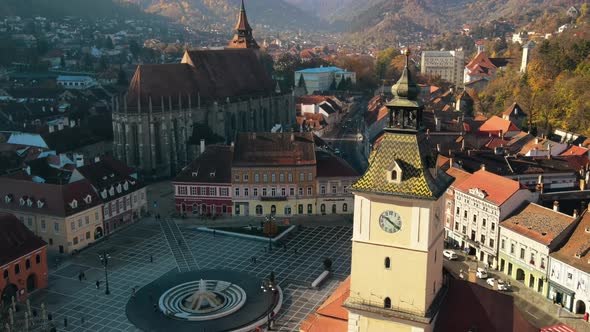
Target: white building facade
x=446 y=64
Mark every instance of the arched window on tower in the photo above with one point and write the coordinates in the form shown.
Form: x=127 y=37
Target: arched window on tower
x=387 y=303
x=387 y=262
x=394 y=175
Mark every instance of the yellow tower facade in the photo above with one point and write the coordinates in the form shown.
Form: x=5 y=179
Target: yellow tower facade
x=396 y=273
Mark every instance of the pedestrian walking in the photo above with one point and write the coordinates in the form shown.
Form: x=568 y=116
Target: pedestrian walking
x=155 y=307
x=98 y=284
x=82 y=320
x=151 y=258
x=80 y=276
x=84 y=275
x=213 y=233
x=65 y=321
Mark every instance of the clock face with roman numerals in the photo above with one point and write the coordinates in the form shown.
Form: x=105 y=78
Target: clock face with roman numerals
x=390 y=221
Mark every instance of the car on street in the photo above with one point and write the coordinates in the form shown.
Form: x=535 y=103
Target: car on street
x=481 y=273
x=503 y=286
x=491 y=282
x=450 y=255
x=337 y=151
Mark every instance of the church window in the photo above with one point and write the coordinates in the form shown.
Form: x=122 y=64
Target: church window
x=245 y=177
x=387 y=263
x=387 y=303
x=281 y=177
x=394 y=175
x=246 y=192
x=290 y=177
x=264 y=178
x=256 y=177
x=273 y=178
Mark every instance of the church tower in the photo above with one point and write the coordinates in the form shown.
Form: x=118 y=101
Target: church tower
x=243 y=32
x=396 y=273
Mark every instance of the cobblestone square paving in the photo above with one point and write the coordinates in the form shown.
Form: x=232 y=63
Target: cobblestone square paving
x=295 y=267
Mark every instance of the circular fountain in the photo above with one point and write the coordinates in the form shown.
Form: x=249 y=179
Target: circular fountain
x=211 y=300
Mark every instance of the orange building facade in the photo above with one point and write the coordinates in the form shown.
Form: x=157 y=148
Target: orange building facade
x=23 y=260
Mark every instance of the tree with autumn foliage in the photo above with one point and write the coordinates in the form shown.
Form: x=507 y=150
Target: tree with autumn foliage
x=554 y=91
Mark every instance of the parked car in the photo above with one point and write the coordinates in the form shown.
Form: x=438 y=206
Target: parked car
x=491 y=282
x=450 y=255
x=503 y=286
x=481 y=273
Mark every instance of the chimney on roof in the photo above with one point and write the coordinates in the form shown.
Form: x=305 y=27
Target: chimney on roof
x=292 y=136
x=575 y=215
x=438 y=148
x=501 y=134
x=463 y=144
x=556 y=206
x=202 y=145
x=536 y=140
x=549 y=152
x=483 y=167
x=582 y=184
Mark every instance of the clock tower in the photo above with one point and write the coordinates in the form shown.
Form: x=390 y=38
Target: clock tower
x=396 y=274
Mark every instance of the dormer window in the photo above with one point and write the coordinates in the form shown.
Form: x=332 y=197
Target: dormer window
x=132 y=182
x=40 y=203
x=74 y=204
x=394 y=173
x=126 y=186
x=111 y=191
x=119 y=188
x=103 y=193
x=88 y=199
x=22 y=201
x=29 y=202
x=8 y=198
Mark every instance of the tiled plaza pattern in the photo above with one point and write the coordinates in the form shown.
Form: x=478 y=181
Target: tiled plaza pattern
x=295 y=268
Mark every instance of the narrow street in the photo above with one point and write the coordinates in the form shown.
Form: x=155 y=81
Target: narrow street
x=347 y=136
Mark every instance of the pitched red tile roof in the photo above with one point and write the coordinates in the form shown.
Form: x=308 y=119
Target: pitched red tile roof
x=575 y=150
x=329 y=165
x=331 y=315
x=55 y=198
x=16 y=240
x=480 y=65
x=496 y=142
x=577 y=244
x=213 y=166
x=276 y=149
x=497 y=189
x=459 y=175
x=538 y=223
x=495 y=124
x=213 y=74
x=311 y=99
x=513 y=109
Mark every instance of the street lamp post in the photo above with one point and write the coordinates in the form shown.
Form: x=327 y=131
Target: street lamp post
x=268 y=285
x=104 y=259
x=269 y=223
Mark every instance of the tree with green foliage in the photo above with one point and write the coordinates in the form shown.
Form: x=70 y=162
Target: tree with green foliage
x=382 y=64
x=122 y=77
x=333 y=84
x=108 y=43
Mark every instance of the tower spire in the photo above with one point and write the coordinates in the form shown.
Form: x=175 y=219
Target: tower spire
x=405 y=110
x=243 y=32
